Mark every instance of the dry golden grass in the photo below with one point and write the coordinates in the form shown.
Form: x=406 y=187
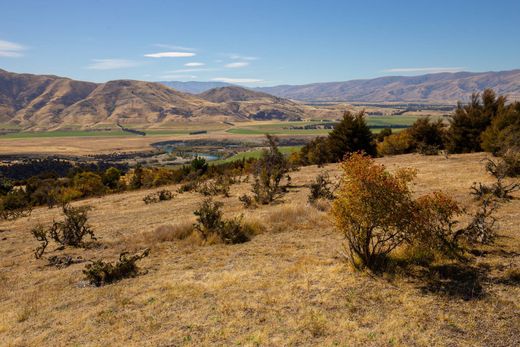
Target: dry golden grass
x=288 y=286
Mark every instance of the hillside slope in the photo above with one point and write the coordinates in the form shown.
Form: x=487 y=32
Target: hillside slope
x=33 y=102
x=286 y=287
x=440 y=87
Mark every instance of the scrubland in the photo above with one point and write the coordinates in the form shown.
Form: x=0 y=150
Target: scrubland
x=289 y=286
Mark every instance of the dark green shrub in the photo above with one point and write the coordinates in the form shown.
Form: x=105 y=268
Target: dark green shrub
x=321 y=188
x=427 y=136
x=199 y=165
x=380 y=137
x=210 y=223
x=100 y=273
x=159 y=196
x=111 y=178
x=72 y=230
x=316 y=152
x=14 y=205
x=268 y=173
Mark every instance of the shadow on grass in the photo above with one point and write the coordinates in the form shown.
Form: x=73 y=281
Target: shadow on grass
x=458 y=280
x=455 y=280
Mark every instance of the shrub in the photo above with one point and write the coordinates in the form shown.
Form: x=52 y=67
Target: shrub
x=394 y=144
x=316 y=152
x=247 y=201
x=209 y=217
x=372 y=209
x=506 y=166
x=471 y=120
x=350 y=135
x=321 y=188
x=434 y=224
x=199 y=165
x=269 y=170
x=188 y=186
x=89 y=184
x=72 y=230
x=504 y=131
x=40 y=233
x=498 y=190
x=161 y=195
x=14 y=205
x=384 y=133
x=100 y=273
x=111 y=178
x=427 y=136
x=216 y=187
x=482 y=229
x=210 y=224
x=136 y=181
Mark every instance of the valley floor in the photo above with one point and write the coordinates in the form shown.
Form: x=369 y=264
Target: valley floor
x=289 y=286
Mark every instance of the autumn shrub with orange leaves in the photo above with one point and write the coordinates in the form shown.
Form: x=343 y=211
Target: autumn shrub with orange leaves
x=376 y=213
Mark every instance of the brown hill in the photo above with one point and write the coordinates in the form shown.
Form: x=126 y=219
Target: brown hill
x=50 y=102
x=439 y=87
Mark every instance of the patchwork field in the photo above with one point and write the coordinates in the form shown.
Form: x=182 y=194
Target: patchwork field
x=80 y=142
x=289 y=286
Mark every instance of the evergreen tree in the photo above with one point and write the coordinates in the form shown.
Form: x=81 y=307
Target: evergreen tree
x=471 y=120
x=351 y=135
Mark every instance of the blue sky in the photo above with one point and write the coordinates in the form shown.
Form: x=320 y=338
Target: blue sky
x=256 y=42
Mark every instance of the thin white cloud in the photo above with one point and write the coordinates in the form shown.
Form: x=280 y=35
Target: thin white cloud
x=170 y=55
x=194 y=64
x=111 y=64
x=10 y=49
x=425 y=69
x=237 y=80
x=241 y=57
x=175 y=47
x=237 y=65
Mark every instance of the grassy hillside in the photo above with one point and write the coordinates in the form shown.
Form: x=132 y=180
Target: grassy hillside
x=288 y=286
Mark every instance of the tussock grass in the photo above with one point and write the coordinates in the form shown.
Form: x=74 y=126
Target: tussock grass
x=287 y=286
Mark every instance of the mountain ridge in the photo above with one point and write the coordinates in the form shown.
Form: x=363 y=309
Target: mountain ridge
x=45 y=102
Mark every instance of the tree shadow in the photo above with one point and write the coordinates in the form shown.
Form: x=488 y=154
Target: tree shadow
x=460 y=281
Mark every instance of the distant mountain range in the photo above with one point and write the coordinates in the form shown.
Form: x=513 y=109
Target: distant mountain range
x=35 y=102
x=439 y=87
x=42 y=102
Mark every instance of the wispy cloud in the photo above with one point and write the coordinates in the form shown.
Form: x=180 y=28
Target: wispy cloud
x=237 y=80
x=111 y=64
x=10 y=49
x=241 y=57
x=237 y=65
x=425 y=69
x=174 y=47
x=194 y=64
x=170 y=55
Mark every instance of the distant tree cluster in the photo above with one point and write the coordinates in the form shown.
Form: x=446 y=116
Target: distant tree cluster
x=351 y=134
x=486 y=123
